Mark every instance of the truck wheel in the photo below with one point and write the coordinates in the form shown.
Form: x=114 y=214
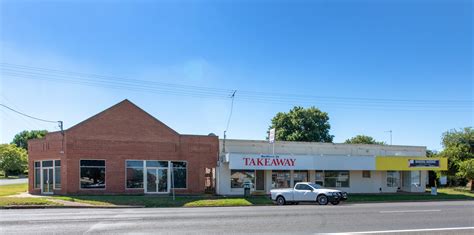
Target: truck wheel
x=322 y=200
x=280 y=200
x=335 y=202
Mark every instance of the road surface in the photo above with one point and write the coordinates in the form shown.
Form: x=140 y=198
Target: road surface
x=13 y=181
x=455 y=217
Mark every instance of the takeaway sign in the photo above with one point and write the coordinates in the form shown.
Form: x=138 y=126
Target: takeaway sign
x=269 y=162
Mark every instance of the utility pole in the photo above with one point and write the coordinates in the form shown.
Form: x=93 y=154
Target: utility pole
x=390 y=131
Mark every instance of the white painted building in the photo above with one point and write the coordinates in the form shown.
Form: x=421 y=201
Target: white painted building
x=358 y=168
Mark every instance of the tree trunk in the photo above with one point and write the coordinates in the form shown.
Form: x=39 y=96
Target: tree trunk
x=472 y=185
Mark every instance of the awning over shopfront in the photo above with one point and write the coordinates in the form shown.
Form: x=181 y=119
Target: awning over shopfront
x=331 y=162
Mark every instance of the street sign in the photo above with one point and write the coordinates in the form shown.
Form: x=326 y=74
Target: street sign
x=271 y=136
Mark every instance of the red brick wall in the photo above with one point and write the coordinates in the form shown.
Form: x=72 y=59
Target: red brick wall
x=125 y=132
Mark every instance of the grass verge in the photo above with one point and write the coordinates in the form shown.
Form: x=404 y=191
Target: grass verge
x=166 y=201
x=25 y=201
x=443 y=194
x=12 y=189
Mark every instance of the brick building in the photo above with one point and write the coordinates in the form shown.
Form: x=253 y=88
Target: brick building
x=122 y=150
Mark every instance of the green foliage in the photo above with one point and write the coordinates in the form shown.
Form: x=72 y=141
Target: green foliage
x=458 y=147
x=12 y=159
x=363 y=139
x=466 y=169
x=21 y=139
x=301 y=124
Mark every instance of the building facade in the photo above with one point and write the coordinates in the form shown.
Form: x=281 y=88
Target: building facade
x=122 y=150
x=354 y=168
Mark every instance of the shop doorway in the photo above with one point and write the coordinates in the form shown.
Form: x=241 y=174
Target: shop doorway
x=47 y=180
x=156 y=180
x=260 y=181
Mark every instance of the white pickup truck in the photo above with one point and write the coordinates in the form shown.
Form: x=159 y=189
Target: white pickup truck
x=307 y=192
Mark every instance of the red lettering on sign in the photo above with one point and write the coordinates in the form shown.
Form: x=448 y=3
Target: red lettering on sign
x=269 y=162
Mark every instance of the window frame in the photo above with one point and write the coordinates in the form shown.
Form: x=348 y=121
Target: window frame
x=34 y=174
x=242 y=170
x=143 y=169
x=397 y=179
x=171 y=168
x=338 y=171
x=54 y=175
x=285 y=172
x=105 y=174
x=364 y=176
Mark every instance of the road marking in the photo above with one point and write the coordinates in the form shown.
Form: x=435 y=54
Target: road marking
x=410 y=211
x=408 y=230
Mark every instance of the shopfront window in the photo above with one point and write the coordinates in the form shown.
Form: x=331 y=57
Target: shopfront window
x=240 y=177
x=416 y=178
x=92 y=174
x=319 y=178
x=57 y=174
x=179 y=174
x=365 y=174
x=393 y=179
x=300 y=176
x=37 y=175
x=134 y=173
x=281 y=179
x=336 y=179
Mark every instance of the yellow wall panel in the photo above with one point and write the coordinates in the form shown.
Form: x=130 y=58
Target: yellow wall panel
x=398 y=163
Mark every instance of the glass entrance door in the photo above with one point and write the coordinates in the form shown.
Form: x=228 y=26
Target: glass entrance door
x=157 y=180
x=47 y=181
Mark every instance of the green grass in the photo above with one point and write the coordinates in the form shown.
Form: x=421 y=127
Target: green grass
x=12 y=189
x=166 y=201
x=443 y=194
x=25 y=201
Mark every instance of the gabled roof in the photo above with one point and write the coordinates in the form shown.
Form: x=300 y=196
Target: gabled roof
x=123 y=102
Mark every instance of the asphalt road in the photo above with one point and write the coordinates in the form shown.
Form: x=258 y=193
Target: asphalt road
x=13 y=181
x=413 y=217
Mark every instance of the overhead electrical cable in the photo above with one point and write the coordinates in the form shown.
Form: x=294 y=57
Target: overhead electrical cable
x=54 y=75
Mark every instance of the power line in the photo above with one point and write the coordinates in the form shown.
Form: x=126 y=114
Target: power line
x=28 y=72
x=231 y=109
x=26 y=115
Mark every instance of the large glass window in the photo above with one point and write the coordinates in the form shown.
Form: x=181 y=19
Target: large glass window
x=179 y=174
x=365 y=174
x=416 y=178
x=92 y=174
x=57 y=174
x=319 y=178
x=281 y=179
x=37 y=175
x=393 y=179
x=240 y=177
x=336 y=179
x=300 y=176
x=134 y=173
x=156 y=163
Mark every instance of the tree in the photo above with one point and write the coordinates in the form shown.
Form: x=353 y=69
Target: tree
x=458 y=147
x=301 y=124
x=12 y=159
x=466 y=170
x=21 y=139
x=362 y=139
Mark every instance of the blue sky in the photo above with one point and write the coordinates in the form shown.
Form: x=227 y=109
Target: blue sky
x=391 y=50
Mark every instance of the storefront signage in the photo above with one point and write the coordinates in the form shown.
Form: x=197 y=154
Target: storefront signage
x=423 y=163
x=273 y=161
x=299 y=162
